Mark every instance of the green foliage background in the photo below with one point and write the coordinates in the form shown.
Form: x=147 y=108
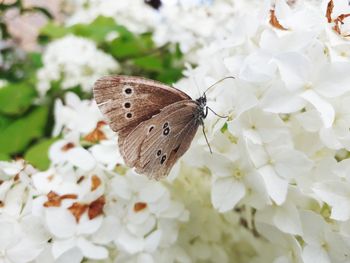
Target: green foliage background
x=26 y=120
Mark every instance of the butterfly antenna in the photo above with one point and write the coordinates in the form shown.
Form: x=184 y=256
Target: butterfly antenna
x=229 y=77
x=195 y=83
x=206 y=139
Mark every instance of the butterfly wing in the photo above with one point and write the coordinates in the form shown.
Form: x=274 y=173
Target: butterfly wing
x=126 y=101
x=156 y=144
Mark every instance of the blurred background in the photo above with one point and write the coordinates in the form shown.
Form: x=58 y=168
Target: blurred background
x=50 y=47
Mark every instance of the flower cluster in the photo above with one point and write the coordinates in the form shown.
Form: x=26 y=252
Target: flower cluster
x=134 y=14
x=275 y=189
x=74 y=61
x=201 y=20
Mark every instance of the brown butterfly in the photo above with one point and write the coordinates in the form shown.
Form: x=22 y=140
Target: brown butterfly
x=156 y=123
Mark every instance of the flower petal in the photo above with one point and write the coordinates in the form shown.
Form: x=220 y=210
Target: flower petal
x=276 y=187
x=312 y=254
x=226 y=193
x=325 y=109
x=90 y=250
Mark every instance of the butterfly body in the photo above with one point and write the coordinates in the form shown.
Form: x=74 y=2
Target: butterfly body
x=155 y=123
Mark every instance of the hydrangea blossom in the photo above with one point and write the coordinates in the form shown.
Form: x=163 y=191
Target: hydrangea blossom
x=125 y=13
x=74 y=61
x=200 y=20
x=275 y=189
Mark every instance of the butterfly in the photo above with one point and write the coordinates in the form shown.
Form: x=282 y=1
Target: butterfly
x=156 y=123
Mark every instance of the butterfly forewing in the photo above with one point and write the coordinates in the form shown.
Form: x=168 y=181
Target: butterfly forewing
x=156 y=144
x=127 y=101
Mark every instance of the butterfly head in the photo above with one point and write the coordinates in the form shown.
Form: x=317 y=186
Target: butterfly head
x=202 y=101
x=202 y=108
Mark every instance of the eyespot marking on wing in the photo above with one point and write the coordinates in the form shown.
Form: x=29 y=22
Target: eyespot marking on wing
x=165 y=125
x=128 y=90
x=150 y=128
x=163 y=159
x=166 y=131
x=127 y=105
x=159 y=152
x=129 y=115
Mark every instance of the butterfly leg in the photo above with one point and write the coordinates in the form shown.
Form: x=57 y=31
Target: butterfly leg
x=220 y=116
x=206 y=139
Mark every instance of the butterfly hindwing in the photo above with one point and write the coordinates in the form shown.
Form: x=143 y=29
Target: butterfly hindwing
x=156 y=144
x=127 y=101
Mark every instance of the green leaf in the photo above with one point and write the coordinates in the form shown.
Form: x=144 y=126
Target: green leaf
x=224 y=128
x=123 y=48
x=17 y=136
x=35 y=59
x=128 y=45
x=16 y=98
x=4 y=157
x=37 y=155
x=4 y=122
x=97 y=30
x=152 y=63
x=170 y=76
x=51 y=30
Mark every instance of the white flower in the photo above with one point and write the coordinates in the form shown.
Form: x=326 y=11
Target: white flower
x=76 y=115
x=322 y=243
x=146 y=217
x=125 y=13
x=335 y=189
x=270 y=149
x=285 y=248
x=315 y=83
x=3 y=82
x=76 y=61
x=72 y=209
x=10 y=169
x=233 y=181
x=70 y=152
x=21 y=241
x=338 y=135
x=107 y=153
x=285 y=217
x=62 y=224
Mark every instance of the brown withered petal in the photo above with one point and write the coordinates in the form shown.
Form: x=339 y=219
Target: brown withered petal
x=336 y=28
x=339 y=20
x=81 y=178
x=100 y=124
x=139 y=206
x=274 y=21
x=96 y=135
x=50 y=178
x=67 y=147
x=96 y=207
x=54 y=200
x=69 y=196
x=16 y=178
x=95 y=182
x=77 y=210
x=329 y=11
